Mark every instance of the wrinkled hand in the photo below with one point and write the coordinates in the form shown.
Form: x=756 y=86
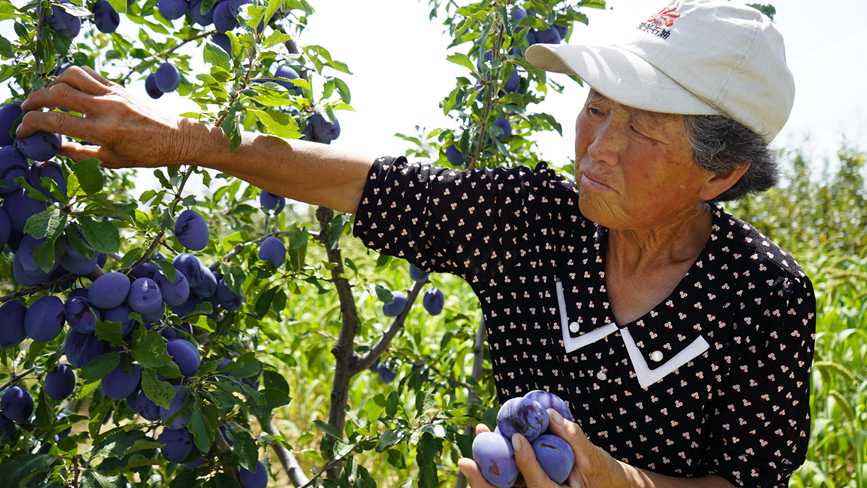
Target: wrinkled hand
x=593 y=466
x=123 y=131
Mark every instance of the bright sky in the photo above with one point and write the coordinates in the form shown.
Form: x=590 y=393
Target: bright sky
x=398 y=55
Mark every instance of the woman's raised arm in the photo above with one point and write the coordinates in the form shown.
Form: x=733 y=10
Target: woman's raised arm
x=124 y=132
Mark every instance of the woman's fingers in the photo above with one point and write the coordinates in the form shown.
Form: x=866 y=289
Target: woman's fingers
x=59 y=95
x=471 y=472
x=482 y=428
x=83 y=80
x=80 y=152
x=98 y=77
x=528 y=465
x=57 y=122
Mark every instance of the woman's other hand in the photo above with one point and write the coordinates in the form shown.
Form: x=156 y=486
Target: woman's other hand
x=593 y=466
x=120 y=130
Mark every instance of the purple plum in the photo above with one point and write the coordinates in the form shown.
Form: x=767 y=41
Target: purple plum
x=199 y=17
x=63 y=22
x=254 y=479
x=284 y=73
x=119 y=314
x=121 y=382
x=9 y=115
x=105 y=17
x=416 y=273
x=454 y=155
x=173 y=414
x=174 y=294
x=12 y=323
x=396 y=306
x=81 y=348
x=505 y=128
x=433 y=301
x=524 y=416
x=12 y=165
x=7 y=429
x=202 y=281
x=518 y=13
x=318 y=129
x=17 y=404
x=145 y=296
x=167 y=78
x=145 y=270
x=270 y=201
x=79 y=315
x=109 y=290
x=5 y=228
x=496 y=459
x=177 y=444
x=271 y=249
x=172 y=9
x=151 y=87
x=143 y=405
x=191 y=230
x=40 y=146
x=24 y=267
x=555 y=455
x=59 y=382
x=76 y=263
x=185 y=355
x=223 y=41
x=21 y=207
x=44 y=319
x=551 y=400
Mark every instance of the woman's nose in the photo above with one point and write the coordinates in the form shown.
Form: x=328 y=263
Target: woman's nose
x=609 y=141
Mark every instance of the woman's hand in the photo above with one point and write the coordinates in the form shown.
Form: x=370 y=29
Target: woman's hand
x=123 y=131
x=593 y=466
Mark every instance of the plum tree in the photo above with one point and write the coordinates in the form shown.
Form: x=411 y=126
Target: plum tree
x=174 y=417
x=63 y=22
x=167 y=78
x=177 y=444
x=44 y=319
x=145 y=297
x=17 y=404
x=551 y=400
x=270 y=201
x=555 y=455
x=271 y=249
x=524 y=416
x=172 y=9
x=109 y=290
x=105 y=17
x=191 y=230
x=455 y=156
x=59 y=382
x=151 y=86
x=185 y=355
x=198 y=16
x=396 y=305
x=173 y=293
x=121 y=382
x=40 y=146
x=12 y=323
x=433 y=301
x=320 y=130
x=9 y=114
x=416 y=273
x=254 y=479
x=495 y=457
x=81 y=348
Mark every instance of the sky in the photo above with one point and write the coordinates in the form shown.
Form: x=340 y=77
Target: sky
x=400 y=73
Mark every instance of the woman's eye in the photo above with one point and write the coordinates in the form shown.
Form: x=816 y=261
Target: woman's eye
x=594 y=111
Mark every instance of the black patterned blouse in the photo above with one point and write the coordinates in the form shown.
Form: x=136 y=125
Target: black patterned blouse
x=715 y=379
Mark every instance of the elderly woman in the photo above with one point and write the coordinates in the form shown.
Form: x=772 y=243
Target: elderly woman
x=680 y=336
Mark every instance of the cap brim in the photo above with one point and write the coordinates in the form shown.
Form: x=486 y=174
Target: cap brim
x=620 y=75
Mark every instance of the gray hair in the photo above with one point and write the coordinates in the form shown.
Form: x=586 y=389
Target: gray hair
x=719 y=144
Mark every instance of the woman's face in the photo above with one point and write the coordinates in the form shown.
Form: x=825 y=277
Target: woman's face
x=634 y=168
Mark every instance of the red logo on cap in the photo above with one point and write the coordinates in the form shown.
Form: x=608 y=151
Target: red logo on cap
x=665 y=17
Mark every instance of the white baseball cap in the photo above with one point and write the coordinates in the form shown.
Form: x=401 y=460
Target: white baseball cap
x=691 y=57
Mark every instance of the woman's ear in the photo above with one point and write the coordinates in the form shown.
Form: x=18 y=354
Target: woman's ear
x=718 y=183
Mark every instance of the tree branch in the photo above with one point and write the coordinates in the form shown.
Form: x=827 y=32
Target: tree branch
x=287 y=459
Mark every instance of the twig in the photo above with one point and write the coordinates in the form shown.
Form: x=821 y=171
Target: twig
x=287 y=459
x=149 y=59
x=16 y=378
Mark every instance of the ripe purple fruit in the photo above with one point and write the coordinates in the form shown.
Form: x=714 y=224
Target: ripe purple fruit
x=177 y=420
x=24 y=267
x=46 y=169
x=172 y=9
x=202 y=281
x=167 y=78
x=105 y=17
x=109 y=290
x=226 y=14
x=81 y=348
x=254 y=479
x=185 y=355
x=76 y=263
x=548 y=36
x=524 y=416
x=288 y=73
x=386 y=375
x=174 y=294
x=562 y=30
x=5 y=228
x=320 y=130
x=20 y=207
x=513 y=84
x=177 y=444
x=9 y=114
x=199 y=17
x=145 y=297
x=504 y=126
x=17 y=404
x=59 y=382
x=271 y=249
x=454 y=155
x=151 y=87
x=270 y=201
x=12 y=323
x=63 y=22
x=223 y=41
x=119 y=314
x=143 y=405
x=495 y=457
x=416 y=273
x=396 y=306
x=555 y=455
x=225 y=296
x=120 y=382
x=551 y=400
x=79 y=315
x=12 y=165
x=40 y=146
x=433 y=301
x=191 y=230
x=145 y=270
x=44 y=319
x=518 y=13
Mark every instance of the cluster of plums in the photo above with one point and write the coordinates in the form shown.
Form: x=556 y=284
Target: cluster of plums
x=432 y=301
x=528 y=416
x=165 y=79
x=386 y=373
x=554 y=34
x=105 y=18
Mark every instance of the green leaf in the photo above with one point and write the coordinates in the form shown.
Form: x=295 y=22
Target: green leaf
x=427 y=451
x=109 y=331
x=278 y=124
x=214 y=55
x=245 y=449
x=384 y=294
x=202 y=432
x=245 y=366
x=100 y=366
x=119 y=6
x=462 y=59
x=276 y=392
x=48 y=223
x=102 y=236
x=263 y=302
x=44 y=255
x=158 y=391
x=327 y=428
x=149 y=349
x=87 y=171
x=389 y=438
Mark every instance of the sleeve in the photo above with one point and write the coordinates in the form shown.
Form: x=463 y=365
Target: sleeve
x=759 y=427
x=468 y=222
